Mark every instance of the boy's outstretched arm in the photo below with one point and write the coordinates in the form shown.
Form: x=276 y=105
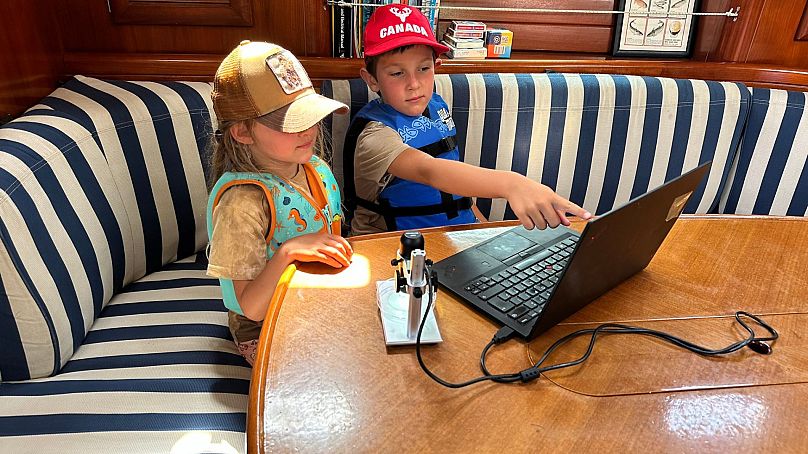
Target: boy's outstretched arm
x=534 y=204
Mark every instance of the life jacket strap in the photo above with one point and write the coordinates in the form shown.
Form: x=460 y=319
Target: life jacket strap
x=443 y=145
x=451 y=208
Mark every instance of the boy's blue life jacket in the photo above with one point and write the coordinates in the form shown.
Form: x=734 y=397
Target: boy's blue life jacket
x=405 y=204
x=292 y=211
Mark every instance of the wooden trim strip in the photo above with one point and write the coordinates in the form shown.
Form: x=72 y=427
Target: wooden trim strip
x=202 y=67
x=255 y=411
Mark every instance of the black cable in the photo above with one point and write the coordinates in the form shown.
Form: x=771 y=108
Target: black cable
x=503 y=378
x=757 y=344
x=504 y=333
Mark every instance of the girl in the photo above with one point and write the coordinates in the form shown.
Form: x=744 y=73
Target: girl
x=274 y=201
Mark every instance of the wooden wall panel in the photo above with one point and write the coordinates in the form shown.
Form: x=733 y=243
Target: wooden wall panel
x=767 y=32
x=802 y=30
x=533 y=18
x=30 y=62
x=709 y=29
x=185 y=12
x=562 y=32
x=737 y=36
x=316 y=28
x=775 y=41
x=294 y=24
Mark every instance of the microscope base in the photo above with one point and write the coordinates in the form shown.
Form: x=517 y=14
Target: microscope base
x=393 y=310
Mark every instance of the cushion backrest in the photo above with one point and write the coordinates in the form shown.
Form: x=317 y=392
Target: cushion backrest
x=100 y=184
x=771 y=172
x=599 y=140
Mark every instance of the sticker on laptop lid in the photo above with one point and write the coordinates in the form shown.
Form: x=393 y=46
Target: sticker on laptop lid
x=677 y=206
x=288 y=71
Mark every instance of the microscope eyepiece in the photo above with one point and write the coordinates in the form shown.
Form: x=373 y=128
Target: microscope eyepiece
x=411 y=241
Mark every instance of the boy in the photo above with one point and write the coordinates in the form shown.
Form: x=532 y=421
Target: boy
x=402 y=168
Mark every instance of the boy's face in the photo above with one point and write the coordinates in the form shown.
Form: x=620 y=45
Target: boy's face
x=405 y=80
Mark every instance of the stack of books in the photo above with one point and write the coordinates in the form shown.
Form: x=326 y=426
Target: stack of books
x=466 y=40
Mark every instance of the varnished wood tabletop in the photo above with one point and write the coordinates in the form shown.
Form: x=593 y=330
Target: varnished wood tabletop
x=326 y=382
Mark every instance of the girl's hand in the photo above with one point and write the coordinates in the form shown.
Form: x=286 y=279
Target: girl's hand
x=327 y=248
x=538 y=206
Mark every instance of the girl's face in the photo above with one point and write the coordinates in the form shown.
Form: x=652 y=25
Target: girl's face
x=280 y=152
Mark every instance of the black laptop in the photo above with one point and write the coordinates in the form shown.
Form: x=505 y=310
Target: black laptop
x=530 y=280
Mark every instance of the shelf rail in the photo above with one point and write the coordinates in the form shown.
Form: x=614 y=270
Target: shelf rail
x=731 y=13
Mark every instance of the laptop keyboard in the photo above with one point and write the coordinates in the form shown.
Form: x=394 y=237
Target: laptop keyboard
x=521 y=290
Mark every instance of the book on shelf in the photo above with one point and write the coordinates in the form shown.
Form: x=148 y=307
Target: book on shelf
x=461 y=43
x=478 y=53
x=341 y=31
x=465 y=34
x=467 y=25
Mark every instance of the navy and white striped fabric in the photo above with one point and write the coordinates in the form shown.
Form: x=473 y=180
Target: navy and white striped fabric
x=100 y=184
x=599 y=140
x=158 y=372
x=771 y=173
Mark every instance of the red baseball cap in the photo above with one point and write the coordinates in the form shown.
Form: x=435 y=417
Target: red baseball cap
x=397 y=25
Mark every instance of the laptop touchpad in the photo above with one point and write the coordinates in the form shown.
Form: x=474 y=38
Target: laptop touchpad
x=505 y=246
x=461 y=268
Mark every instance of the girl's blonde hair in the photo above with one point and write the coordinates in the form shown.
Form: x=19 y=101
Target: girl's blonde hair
x=229 y=155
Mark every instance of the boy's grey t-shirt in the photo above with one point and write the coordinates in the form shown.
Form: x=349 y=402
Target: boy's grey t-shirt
x=377 y=147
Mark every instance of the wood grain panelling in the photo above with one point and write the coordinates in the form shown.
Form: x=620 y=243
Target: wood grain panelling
x=802 y=30
x=709 y=29
x=530 y=17
x=775 y=41
x=766 y=33
x=558 y=32
x=317 y=28
x=30 y=62
x=182 y=12
x=89 y=27
x=738 y=35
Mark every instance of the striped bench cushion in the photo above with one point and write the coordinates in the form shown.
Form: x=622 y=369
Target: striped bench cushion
x=599 y=140
x=100 y=184
x=158 y=370
x=771 y=174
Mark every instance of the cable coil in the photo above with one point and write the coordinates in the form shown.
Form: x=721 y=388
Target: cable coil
x=752 y=341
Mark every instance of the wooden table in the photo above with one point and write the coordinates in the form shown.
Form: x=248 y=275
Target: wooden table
x=326 y=382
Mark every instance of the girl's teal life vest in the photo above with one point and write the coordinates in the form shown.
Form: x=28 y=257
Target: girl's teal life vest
x=404 y=204
x=293 y=212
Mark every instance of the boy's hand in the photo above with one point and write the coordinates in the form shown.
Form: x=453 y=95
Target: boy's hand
x=327 y=248
x=538 y=206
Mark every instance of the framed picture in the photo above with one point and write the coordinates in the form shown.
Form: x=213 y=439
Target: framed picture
x=655 y=28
